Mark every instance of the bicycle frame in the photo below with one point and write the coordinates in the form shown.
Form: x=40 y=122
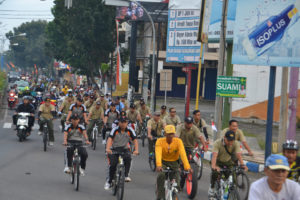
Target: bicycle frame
x=224 y=183
x=170 y=185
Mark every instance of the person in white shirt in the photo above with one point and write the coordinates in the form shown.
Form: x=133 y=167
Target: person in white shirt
x=275 y=185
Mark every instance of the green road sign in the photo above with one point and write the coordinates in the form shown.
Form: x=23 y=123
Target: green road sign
x=230 y=86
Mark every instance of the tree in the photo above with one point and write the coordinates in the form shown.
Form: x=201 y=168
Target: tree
x=29 y=50
x=83 y=35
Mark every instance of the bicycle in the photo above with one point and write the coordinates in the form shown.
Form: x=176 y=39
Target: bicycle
x=75 y=170
x=94 y=136
x=198 y=158
x=170 y=185
x=144 y=132
x=119 y=178
x=225 y=187
x=190 y=179
x=45 y=136
x=152 y=159
x=243 y=183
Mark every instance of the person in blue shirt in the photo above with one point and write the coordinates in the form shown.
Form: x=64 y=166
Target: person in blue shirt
x=119 y=105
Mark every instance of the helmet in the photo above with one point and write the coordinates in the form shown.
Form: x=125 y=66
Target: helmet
x=70 y=90
x=290 y=144
x=25 y=98
x=26 y=88
x=47 y=99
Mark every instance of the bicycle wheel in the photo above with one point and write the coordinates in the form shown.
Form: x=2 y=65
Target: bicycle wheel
x=174 y=196
x=152 y=162
x=233 y=194
x=77 y=175
x=243 y=184
x=45 y=139
x=192 y=182
x=120 y=188
x=94 y=141
x=200 y=167
x=143 y=137
x=73 y=175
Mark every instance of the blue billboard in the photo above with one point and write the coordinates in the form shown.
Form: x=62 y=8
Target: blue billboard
x=182 y=44
x=267 y=33
x=216 y=19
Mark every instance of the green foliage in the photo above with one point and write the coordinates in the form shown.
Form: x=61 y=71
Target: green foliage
x=82 y=36
x=2 y=81
x=104 y=68
x=30 y=48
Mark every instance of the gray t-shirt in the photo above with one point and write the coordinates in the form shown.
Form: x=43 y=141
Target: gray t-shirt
x=111 y=116
x=260 y=190
x=75 y=133
x=121 y=139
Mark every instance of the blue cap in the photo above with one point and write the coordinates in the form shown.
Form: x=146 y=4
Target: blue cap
x=276 y=161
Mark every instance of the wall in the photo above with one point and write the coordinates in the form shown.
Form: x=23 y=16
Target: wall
x=256 y=101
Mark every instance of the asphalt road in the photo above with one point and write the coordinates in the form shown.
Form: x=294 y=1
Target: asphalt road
x=29 y=173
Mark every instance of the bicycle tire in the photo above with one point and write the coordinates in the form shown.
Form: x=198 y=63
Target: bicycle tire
x=152 y=163
x=233 y=194
x=72 y=176
x=94 y=142
x=242 y=183
x=174 y=196
x=200 y=168
x=143 y=136
x=192 y=182
x=120 y=188
x=77 y=175
x=45 y=139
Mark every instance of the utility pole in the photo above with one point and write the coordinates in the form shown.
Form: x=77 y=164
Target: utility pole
x=228 y=100
x=132 y=60
x=293 y=93
x=221 y=62
x=283 y=108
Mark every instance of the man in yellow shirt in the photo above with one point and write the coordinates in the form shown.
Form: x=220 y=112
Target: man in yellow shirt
x=167 y=152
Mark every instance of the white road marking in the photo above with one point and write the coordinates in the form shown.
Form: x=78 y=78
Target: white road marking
x=7 y=125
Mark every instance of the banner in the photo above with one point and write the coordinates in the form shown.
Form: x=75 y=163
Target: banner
x=230 y=86
x=185 y=4
x=158 y=12
x=267 y=33
x=182 y=44
x=216 y=19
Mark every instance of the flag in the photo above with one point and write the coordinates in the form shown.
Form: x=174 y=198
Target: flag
x=213 y=126
x=11 y=64
x=8 y=67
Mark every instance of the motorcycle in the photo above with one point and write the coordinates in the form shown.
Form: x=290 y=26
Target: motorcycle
x=12 y=99
x=39 y=97
x=22 y=125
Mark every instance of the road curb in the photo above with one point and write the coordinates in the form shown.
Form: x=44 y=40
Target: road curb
x=252 y=166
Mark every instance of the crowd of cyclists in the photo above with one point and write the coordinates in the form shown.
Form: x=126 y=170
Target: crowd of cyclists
x=121 y=123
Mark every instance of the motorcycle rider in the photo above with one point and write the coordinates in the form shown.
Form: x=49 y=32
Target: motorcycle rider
x=25 y=107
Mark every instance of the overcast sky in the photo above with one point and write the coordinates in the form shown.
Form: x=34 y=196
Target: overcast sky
x=15 y=12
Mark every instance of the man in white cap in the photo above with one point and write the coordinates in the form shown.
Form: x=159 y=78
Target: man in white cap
x=275 y=185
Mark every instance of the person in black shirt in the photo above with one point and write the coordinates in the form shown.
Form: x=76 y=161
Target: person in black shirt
x=27 y=108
